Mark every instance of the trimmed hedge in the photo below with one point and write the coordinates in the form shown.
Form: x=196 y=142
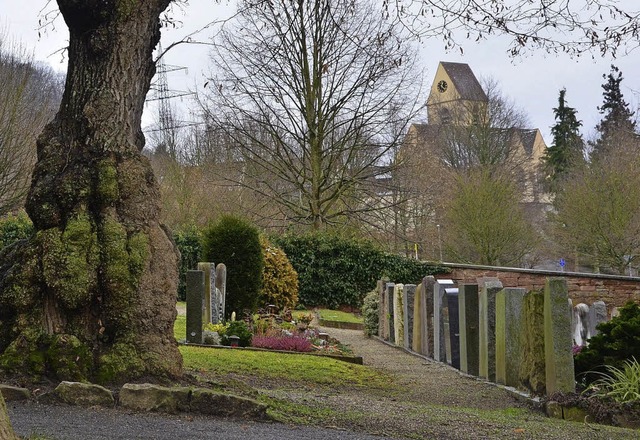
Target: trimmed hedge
x=335 y=271
x=236 y=243
x=188 y=240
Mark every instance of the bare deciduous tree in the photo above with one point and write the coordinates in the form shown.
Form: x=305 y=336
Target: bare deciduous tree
x=312 y=93
x=29 y=95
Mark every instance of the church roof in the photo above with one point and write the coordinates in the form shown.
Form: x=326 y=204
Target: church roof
x=528 y=138
x=464 y=81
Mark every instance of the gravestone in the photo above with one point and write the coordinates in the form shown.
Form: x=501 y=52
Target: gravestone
x=209 y=290
x=468 y=319
x=398 y=315
x=488 y=287
x=381 y=314
x=557 y=337
x=580 y=324
x=509 y=309
x=532 y=362
x=389 y=329
x=429 y=287
x=597 y=314
x=454 y=326
x=439 y=342
x=195 y=304
x=408 y=294
x=418 y=320
x=221 y=293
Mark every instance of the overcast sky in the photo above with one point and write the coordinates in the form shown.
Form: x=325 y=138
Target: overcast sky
x=532 y=82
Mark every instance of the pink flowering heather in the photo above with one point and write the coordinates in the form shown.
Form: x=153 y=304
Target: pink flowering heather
x=282 y=342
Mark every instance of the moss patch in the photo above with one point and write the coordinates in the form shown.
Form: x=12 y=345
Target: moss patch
x=106 y=189
x=70 y=260
x=68 y=358
x=121 y=362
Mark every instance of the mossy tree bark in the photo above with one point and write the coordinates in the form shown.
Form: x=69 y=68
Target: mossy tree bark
x=92 y=294
x=6 y=431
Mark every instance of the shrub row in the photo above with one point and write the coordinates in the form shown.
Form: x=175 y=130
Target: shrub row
x=334 y=271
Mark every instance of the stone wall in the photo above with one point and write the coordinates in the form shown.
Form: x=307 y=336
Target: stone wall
x=614 y=290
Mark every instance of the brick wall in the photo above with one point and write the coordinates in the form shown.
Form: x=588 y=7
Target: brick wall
x=614 y=290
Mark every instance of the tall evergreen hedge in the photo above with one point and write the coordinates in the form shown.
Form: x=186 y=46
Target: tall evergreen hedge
x=334 y=271
x=236 y=243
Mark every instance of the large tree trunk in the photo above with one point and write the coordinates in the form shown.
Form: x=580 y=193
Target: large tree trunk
x=6 y=432
x=92 y=294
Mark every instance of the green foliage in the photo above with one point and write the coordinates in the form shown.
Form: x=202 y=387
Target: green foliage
x=617 y=126
x=279 y=279
x=241 y=330
x=370 y=307
x=618 y=341
x=486 y=222
x=567 y=147
x=334 y=271
x=620 y=384
x=188 y=240
x=236 y=243
x=14 y=228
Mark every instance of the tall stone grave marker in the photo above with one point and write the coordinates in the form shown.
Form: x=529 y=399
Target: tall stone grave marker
x=195 y=303
x=557 y=337
x=439 y=343
x=418 y=316
x=398 y=315
x=429 y=286
x=454 y=326
x=469 y=331
x=209 y=270
x=381 y=313
x=408 y=294
x=509 y=307
x=389 y=329
x=489 y=287
x=597 y=314
x=221 y=294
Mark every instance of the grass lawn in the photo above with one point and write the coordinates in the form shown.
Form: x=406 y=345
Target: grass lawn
x=337 y=315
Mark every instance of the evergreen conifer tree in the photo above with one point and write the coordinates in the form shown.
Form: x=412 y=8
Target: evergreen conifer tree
x=617 y=127
x=567 y=148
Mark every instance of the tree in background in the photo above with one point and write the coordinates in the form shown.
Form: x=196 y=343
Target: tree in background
x=485 y=222
x=29 y=95
x=311 y=94
x=617 y=125
x=598 y=211
x=567 y=149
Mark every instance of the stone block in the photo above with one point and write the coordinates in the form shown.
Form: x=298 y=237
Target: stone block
x=453 y=346
x=11 y=393
x=489 y=287
x=209 y=271
x=553 y=409
x=557 y=337
x=509 y=308
x=389 y=328
x=398 y=316
x=381 y=308
x=408 y=295
x=84 y=394
x=532 y=363
x=597 y=314
x=150 y=397
x=210 y=402
x=195 y=304
x=418 y=320
x=468 y=321
x=439 y=339
x=429 y=284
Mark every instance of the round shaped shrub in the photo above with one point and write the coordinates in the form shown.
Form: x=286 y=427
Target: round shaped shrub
x=370 y=313
x=279 y=279
x=236 y=243
x=188 y=242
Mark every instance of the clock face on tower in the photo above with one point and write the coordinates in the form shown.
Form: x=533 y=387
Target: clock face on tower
x=442 y=86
